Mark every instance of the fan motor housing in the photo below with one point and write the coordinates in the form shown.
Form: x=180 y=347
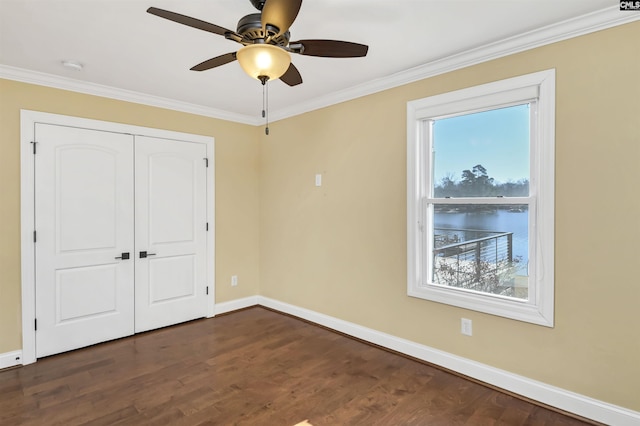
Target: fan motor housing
x=250 y=28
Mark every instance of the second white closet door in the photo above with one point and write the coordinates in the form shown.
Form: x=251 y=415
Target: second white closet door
x=170 y=232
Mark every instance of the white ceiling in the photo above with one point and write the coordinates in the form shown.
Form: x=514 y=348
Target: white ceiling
x=123 y=47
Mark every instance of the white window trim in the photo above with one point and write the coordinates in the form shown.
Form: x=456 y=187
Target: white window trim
x=541 y=85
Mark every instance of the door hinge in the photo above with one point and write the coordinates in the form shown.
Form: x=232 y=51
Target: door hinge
x=206 y=161
x=207 y=227
x=207 y=289
x=34 y=146
x=34 y=236
x=35 y=324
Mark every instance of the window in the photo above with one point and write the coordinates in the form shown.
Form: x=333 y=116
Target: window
x=480 y=194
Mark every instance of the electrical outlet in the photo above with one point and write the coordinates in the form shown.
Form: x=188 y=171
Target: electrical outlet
x=466 y=327
x=318 y=180
x=234 y=280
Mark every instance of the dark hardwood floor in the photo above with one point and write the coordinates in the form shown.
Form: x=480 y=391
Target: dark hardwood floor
x=251 y=367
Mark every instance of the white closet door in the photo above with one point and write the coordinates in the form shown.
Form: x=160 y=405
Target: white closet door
x=84 y=222
x=170 y=180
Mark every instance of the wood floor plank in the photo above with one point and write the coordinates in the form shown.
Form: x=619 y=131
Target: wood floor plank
x=251 y=367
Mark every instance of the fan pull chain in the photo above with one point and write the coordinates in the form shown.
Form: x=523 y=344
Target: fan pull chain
x=265 y=101
x=266 y=129
x=265 y=105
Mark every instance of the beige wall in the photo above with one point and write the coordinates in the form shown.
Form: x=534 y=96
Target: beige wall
x=341 y=249
x=236 y=174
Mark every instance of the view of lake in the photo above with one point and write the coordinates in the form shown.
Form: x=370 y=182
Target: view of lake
x=498 y=220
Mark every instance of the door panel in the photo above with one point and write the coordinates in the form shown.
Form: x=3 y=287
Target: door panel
x=85 y=292
x=171 y=228
x=172 y=277
x=172 y=183
x=84 y=220
x=85 y=176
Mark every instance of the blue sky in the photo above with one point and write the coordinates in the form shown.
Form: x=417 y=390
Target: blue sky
x=497 y=139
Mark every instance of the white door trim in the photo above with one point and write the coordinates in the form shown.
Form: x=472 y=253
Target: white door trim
x=28 y=119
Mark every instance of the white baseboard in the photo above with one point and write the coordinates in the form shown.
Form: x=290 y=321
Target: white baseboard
x=234 y=305
x=10 y=359
x=553 y=396
x=556 y=397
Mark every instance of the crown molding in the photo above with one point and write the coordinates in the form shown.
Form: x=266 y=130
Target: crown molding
x=64 y=83
x=574 y=27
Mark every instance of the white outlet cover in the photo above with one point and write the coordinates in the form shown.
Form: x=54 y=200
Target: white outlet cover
x=318 y=180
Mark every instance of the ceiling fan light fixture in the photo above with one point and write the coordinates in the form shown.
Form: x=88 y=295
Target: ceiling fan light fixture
x=264 y=61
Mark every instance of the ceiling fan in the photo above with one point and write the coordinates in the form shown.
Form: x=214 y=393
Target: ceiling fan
x=266 y=35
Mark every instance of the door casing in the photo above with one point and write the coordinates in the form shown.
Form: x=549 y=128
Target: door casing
x=28 y=119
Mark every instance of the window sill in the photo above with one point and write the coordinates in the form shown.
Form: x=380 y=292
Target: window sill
x=520 y=310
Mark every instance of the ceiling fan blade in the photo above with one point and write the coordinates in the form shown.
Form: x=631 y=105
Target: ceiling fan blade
x=329 y=48
x=215 y=62
x=280 y=14
x=189 y=21
x=292 y=76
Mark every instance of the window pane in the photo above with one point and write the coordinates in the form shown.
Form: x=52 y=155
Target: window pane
x=482 y=247
x=485 y=154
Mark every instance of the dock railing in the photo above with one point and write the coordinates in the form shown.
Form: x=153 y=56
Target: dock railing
x=474 y=259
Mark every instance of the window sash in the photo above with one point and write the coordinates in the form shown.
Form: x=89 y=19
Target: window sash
x=426 y=141
x=427 y=216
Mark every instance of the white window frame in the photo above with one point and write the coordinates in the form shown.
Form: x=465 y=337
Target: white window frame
x=538 y=88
